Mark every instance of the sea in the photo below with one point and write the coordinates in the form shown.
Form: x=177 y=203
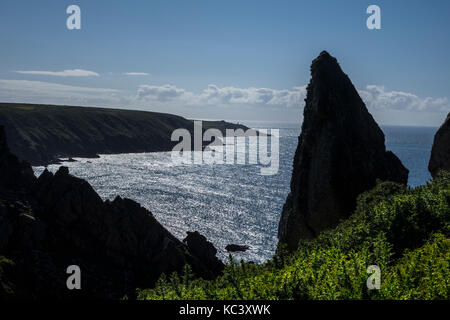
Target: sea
x=227 y=203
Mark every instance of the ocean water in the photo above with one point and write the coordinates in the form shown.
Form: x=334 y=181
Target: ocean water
x=226 y=203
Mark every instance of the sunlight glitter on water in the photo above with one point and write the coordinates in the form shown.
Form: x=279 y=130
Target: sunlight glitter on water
x=226 y=203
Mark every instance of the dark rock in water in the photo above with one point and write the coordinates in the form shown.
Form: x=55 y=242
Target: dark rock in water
x=236 y=248
x=440 y=153
x=340 y=154
x=59 y=220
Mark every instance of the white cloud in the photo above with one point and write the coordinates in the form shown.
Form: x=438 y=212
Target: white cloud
x=64 y=73
x=214 y=95
x=375 y=97
x=253 y=96
x=136 y=74
x=378 y=98
x=53 y=93
x=162 y=93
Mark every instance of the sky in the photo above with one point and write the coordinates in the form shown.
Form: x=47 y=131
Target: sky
x=232 y=60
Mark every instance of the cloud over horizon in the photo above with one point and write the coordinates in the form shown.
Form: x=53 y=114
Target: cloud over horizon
x=375 y=97
x=52 y=93
x=214 y=95
x=378 y=98
x=230 y=101
x=64 y=73
x=136 y=73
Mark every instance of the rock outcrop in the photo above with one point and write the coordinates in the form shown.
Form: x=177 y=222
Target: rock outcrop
x=205 y=251
x=57 y=220
x=340 y=154
x=236 y=248
x=440 y=153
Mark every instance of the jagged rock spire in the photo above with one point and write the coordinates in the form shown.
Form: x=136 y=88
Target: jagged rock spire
x=340 y=154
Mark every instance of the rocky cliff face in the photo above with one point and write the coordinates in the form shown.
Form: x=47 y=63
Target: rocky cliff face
x=440 y=153
x=57 y=220
x=41 y=134
x=340 y=154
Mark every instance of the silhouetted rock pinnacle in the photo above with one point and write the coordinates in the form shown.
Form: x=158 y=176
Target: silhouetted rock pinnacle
x=340 y=154
x=440 y=153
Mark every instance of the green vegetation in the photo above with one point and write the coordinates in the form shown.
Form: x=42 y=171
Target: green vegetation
x=406 y=232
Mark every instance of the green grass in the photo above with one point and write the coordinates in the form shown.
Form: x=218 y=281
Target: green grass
x=406 y=232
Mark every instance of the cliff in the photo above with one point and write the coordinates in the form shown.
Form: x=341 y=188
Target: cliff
x=57 y=220
x=340 y=154
x=440 y=153
x=41 y=134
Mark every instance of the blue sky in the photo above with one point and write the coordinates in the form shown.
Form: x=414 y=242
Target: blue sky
x=244 y=60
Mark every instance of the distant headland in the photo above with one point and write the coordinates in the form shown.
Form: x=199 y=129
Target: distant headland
x=42 y=134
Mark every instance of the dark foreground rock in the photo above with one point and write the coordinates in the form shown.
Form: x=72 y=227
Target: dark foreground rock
x=205 y=251
x=57 y=220
x=440 y=153
x=340 y=154
x=236 y=248
x=15 y=175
